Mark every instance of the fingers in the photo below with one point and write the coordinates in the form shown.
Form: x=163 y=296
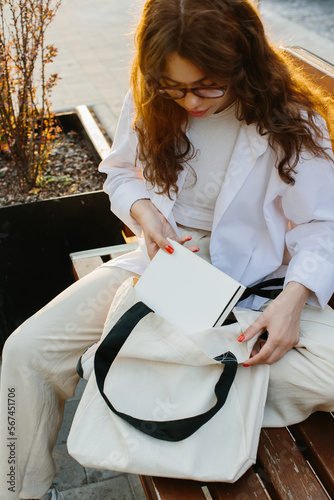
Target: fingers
x=282 y=321
x=266 y=356
x=185 y=239
x=158 y=241
x=163 y=243
x=193 y=249
x=270 y=351
x=169 y=249
x=252 y=330
x=154 y=243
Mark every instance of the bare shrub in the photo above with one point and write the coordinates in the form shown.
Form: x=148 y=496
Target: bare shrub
x=27 y=125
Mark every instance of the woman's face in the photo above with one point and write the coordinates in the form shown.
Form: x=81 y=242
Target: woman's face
x=182 y=73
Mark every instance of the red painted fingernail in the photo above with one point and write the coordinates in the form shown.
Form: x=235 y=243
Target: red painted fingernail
x=169 y=249
x=189 y=238
x=246 y=366
x=241 y=338
x=195 y=251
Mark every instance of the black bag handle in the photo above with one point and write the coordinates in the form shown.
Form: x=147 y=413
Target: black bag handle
x=169 y=430
x=259 y=289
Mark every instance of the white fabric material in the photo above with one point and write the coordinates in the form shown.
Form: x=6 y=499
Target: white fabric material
x=249 y=230
x=161 y=374
x=214 y=139
x=53 y=494
x=307 y=366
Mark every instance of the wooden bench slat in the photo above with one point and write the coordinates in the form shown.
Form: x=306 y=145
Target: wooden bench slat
x=284 y=470
x=86 y=261
x=162 y=488
x=322 y=72
x=93 y=131
x=249 y=483
x=103 y=251
x=113 y=255
x=81 y=267
x=316 y=437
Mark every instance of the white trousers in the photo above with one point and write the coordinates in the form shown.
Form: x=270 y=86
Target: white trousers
x=39 y=374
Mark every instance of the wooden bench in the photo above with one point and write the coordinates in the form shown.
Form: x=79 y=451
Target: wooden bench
x=292 y=463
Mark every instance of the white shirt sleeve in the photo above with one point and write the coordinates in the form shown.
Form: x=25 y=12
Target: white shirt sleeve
x=124 y=184
x=310 y=205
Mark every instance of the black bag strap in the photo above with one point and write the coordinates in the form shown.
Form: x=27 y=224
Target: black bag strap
x=169 y=430
x=260 y=289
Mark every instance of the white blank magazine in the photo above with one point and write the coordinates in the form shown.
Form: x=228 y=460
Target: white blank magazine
x=186 y=290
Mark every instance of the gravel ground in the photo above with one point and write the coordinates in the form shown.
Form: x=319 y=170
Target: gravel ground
x=71 y=169
x=315 y=15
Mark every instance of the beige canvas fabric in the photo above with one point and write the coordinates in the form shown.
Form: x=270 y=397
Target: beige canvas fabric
x=163 y=374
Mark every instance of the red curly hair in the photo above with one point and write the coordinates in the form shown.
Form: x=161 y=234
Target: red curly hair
x=225 y=39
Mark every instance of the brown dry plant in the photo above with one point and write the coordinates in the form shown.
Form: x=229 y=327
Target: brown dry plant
x=27 y=125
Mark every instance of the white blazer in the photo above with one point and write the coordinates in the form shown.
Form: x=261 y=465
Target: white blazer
x=251 y=221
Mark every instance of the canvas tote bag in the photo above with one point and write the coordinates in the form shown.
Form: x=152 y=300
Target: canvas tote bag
x=168 y=404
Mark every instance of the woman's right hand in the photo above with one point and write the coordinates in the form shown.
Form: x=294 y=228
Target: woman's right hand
x=156 y=228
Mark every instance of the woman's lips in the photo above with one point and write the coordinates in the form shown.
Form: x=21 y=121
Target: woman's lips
x=198 y=113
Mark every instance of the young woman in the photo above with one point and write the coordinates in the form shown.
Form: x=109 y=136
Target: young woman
x=222 y=146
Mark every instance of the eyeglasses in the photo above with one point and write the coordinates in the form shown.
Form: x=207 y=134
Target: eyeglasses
x=205 y=92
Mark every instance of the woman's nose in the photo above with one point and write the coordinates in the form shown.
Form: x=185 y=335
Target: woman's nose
x=191 y=100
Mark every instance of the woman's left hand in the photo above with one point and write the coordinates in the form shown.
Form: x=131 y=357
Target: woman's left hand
x=281 y=319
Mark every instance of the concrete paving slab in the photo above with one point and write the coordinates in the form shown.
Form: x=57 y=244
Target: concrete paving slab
x=136 y=487
x=98 y=475
x=316 y=16
x=283 y=31
x=118 y=488
x=70 y=474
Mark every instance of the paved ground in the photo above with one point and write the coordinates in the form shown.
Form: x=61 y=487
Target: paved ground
x=94 y=43
x=315 y=15
x=305 y=23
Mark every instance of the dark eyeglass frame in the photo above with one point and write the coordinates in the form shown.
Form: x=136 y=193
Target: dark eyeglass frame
x=163 y=91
